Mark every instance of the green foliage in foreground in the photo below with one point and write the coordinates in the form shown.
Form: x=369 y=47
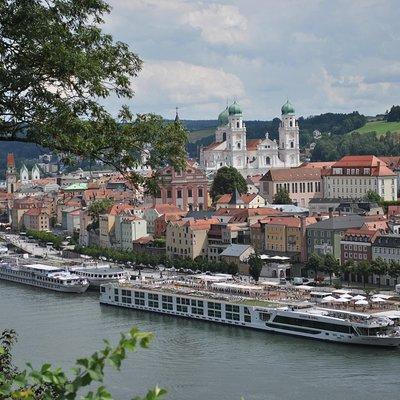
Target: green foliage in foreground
x=45 y=237
x=50 y=383
x=148 y=258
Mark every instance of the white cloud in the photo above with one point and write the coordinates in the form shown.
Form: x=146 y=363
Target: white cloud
x=171 y=83
x=219 y=24
x=322 y=58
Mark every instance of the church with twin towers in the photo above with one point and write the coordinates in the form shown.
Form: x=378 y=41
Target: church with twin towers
x=252 y=156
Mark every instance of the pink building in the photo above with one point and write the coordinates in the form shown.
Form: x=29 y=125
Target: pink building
x=187 y=189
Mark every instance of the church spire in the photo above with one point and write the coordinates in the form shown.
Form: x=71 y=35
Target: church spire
x=176 y=114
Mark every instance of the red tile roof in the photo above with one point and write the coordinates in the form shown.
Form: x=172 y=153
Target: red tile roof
x=212 y=146
x=34 y=212
x=377 y=166
x=318 y=164
x=10 y=160
x=167 y=209
x=252 y=144
x=246 y=198
x=292 y=174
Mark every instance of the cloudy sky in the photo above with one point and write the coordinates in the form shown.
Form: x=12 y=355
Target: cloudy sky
x=324 y=56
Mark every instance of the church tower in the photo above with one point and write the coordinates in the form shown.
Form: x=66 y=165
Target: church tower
x=11 y=174
x=236 y=140
x=289 y=147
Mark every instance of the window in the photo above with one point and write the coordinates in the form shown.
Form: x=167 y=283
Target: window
x=200 y=192
x=190 y=193
x=169 y=194
x=268 y=161
x=179 y=194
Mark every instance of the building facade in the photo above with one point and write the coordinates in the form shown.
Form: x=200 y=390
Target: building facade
x=353 y=176
x=356 y=245
x=302 y=184
x=187 y=189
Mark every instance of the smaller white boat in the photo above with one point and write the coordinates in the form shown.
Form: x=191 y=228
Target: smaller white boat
x=44 y=276
x=98 y=276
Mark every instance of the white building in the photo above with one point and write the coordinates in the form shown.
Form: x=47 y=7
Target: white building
x=353 y=176
x=254 y=156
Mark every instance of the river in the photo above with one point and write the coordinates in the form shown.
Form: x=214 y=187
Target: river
x=194 y=360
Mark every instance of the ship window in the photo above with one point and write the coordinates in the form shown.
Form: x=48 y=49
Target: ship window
x=265 y=316
x=215 y=306
x=102 y=289
x=167 y=306
x=312 y=324
x=197 y=310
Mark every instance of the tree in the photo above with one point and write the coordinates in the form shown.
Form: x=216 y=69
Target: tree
x=365 y=269
x=255 y=266
x=57 y=67
x=331 y=265
x=53 y=383
x=379 y=267
x=315 y=263
x=373 y=197
x=227 y=180
x=99 y=207
x=282 y=197
x=394 y=114
x=348 y=268
x=394 y=270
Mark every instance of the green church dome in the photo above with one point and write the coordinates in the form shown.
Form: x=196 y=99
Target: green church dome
x=287 y=108
x=223 y=117
x=235 y=109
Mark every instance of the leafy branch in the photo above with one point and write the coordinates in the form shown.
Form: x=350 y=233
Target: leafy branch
x=48 y=383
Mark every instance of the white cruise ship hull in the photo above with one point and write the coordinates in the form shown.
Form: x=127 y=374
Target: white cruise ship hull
x=32 y=281
x=247 y=316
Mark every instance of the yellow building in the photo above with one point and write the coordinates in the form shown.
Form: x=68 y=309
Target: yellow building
x=188 y=239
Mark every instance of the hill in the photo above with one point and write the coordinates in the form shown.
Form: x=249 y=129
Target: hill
x=380 y=127
x=200 y=134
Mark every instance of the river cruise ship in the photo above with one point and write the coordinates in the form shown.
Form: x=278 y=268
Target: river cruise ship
x=211 y=302
x=44 y=276
x=98 y=276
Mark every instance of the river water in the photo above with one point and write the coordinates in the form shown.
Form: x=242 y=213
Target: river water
x=194 y=360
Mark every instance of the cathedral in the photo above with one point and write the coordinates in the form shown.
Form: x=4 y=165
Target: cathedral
x=253 y=156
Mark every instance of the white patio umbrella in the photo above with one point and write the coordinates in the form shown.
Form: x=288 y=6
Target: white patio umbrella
x=361 y=302
x=342 y=300
x=359 y=297
x=347 y=296
x=328 y=299
x=378 y=300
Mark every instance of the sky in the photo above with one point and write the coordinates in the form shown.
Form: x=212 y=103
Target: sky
x=324 y=56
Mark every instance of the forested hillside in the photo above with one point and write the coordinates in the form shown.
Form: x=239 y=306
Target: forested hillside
x=335 y=124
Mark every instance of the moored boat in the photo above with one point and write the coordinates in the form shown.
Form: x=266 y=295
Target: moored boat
x=176 y=297
x=44 y=276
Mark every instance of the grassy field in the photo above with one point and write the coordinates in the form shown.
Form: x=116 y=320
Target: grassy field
x=380 y=127
x=200 y=134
